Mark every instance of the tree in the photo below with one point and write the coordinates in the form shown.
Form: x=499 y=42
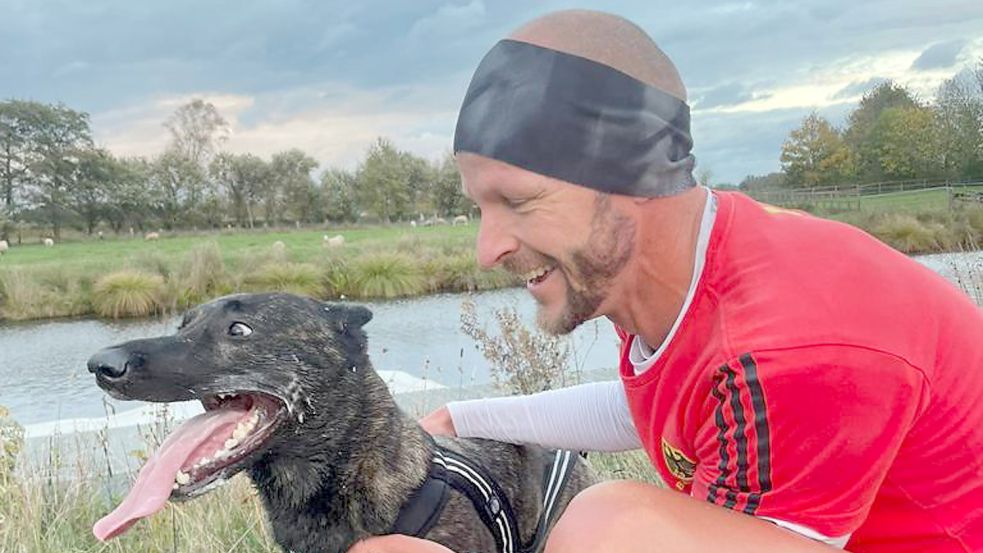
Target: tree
x=89 y=189
x=132 y=200
x=862 y=121
x=388 y=181
x=756 y=182
x=959 y=125
x=197 y=130
x=243 y=178
x=338 y=195
x=905 y=143
x=178 y=185
x=292 y=172
x=61 y=137
x=446 y=194
x=37 y=147
x=815 y=154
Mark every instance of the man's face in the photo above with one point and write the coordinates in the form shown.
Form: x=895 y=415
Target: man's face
x=569 y=243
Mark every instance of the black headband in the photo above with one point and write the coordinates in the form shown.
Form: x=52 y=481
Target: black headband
x=577 y=120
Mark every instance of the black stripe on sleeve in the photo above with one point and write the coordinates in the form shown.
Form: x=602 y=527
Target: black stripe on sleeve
x=723 y=466
x=740 y=431
x=761 y=430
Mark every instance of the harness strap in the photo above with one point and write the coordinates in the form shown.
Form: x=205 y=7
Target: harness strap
x=421 y=511
x=554 y=482
x=490 y=502
x=448 y=470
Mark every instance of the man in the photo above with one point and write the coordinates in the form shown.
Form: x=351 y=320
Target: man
x=798 y=385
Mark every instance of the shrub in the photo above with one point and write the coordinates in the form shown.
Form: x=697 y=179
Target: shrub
x=128 y=293
x=202 y=276
x=386 y=276
x=296 y=278
x=906 y=233
x=522 y=361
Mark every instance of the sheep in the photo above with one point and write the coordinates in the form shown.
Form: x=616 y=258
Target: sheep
x=48 y=242
x=4 y=246
x=413 y=224
x=151 y=236
x=462 y=219
x=335 y=241
x=279 y=249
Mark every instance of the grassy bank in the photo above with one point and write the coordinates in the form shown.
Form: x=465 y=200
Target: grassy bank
x=137 y=278
x=130 y=277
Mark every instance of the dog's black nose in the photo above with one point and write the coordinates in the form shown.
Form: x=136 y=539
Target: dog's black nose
x=113 y=362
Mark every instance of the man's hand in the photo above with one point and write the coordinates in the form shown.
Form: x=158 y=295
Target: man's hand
x=439 y=423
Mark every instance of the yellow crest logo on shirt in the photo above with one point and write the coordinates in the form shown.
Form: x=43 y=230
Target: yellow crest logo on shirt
x=681 y=466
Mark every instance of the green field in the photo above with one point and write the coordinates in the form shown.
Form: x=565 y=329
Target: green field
x=131 y=277
x=914 y=200
x=301 y=245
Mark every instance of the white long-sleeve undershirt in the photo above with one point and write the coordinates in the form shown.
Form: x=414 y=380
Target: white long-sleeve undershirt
x=591 y=416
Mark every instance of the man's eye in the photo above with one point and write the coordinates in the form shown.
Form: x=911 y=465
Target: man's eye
x=240 y=329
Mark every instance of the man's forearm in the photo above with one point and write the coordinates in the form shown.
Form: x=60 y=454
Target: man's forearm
x=592 y=416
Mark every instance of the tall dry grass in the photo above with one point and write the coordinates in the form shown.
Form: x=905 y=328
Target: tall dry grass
x=409 y=266
x=128 y=293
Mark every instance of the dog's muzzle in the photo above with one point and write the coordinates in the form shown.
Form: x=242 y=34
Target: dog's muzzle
x=113 y=363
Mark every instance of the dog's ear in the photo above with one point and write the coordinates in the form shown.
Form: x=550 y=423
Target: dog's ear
x=357 y=315
x=346 y=316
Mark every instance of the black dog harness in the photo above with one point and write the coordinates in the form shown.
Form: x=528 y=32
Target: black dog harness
x=449 y=470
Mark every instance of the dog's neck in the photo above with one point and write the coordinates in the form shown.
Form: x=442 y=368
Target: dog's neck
x=348 y=473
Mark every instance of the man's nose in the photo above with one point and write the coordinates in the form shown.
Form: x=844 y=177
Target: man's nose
x=495 y=240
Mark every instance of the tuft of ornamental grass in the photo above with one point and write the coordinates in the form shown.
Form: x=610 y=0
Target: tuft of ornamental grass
x=202 y=276
x=385 y=275
x=128 y=293
x=37 y=293
x=459 y=272
x=297 y=278
x=906 y=233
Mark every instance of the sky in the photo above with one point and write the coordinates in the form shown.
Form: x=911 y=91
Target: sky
x=329 y=77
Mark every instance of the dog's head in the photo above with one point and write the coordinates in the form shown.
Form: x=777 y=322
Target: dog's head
x=254 y=361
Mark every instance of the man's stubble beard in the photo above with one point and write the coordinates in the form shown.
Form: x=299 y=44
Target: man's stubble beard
x=608 y=249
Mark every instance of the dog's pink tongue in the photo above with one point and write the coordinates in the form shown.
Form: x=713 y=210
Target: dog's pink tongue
x=156 y=478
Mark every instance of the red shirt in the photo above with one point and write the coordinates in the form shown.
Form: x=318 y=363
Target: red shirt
x=823 y=379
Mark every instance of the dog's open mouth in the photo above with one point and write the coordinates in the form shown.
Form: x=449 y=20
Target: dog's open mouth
x=198 y=456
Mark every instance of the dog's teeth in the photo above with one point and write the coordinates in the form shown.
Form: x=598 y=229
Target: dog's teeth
x=182 y=478
x=231 y=442
x=175 y=486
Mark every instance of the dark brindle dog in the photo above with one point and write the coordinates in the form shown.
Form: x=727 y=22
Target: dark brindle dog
x=290 y=397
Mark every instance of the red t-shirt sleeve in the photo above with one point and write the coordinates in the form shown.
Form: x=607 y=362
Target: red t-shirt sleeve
x=805 y=435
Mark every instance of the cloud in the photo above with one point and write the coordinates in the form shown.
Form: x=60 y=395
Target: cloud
x=333 y=122
x=724 y=95
x=939 y=56
x=449 y=19
x=858 y=88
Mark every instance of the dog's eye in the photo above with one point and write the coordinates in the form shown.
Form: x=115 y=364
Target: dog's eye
x=240 y=329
